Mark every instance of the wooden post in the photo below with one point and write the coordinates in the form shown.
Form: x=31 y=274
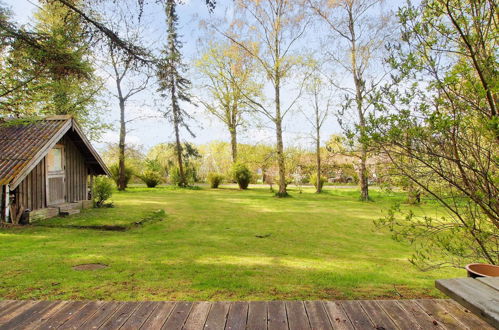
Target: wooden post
x=91 y=186
x=7 y=203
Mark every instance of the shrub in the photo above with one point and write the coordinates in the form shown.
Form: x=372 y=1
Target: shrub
x=214 y=179
x=115 y=174
x=151 y=178
x=313 y=180
x=190 y=175
x=103 y=190
x=242 y=175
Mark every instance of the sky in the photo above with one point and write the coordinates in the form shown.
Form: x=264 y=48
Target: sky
x=151 y=131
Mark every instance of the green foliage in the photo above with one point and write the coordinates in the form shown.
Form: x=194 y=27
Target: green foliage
x=435 y=121
x=115 y=174
x=214 y=179
x=151 y=178
x=189 y=172
x=242 y=175
x=103 y=190
x=313 y=180
x=152 y=175
x=48 y=71
x=164 y=155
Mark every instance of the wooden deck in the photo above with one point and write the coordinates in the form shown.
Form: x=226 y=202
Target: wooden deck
x=480 y=295
x=358 y=314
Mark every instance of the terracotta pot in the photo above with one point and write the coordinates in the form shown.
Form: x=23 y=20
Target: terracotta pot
x=482 y=270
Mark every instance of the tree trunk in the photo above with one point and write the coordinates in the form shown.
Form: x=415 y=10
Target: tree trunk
x=121 y=146
x=318 y=154
x=280 y=146
x=176 y=123
x=364 y=184
x=121 y=143
x=233 y=143
x=359 y=98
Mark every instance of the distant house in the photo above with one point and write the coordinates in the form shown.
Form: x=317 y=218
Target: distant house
x=46 y=168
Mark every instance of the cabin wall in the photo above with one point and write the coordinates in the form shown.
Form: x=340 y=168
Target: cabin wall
x=76 y=172
x=32 y=192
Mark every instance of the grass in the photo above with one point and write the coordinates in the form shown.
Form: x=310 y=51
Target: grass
x=217 y=244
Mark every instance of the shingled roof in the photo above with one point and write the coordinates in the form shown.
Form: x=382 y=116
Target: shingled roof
x=22 y=146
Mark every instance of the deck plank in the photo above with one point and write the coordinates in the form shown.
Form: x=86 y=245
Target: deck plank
x=238 y=316
x=178 y=315
x=356 y=314
x=379 y=318
x=29 y=314
x=337 y=316
x=492 y=282
x=79 y=317
x=277 y=318
x=101 y=315
x=217 y=316
x=257 y=315
x=120 y=316
x=478 y=297
x=424 y=320
x=317 y=316
x=4 y=304
x=402 y=318
x=15 y=310
x=159 y=315
x=434 y=309
x=464 y=316
x=39 y=318
x=60 y=316
x=197 y=316
x=273 y=315
x=139 y=316
x=297 y=315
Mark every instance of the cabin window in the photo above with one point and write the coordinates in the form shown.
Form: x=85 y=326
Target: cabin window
x=54 y=160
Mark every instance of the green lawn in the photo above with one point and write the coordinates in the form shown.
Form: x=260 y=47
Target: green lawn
x=221 y=244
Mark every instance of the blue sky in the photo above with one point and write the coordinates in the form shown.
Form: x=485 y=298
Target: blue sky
x=149 y=132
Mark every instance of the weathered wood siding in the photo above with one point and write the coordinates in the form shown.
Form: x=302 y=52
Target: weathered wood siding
x=32 y=191
x=76 y=172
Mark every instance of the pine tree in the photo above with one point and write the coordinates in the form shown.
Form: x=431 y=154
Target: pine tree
x=173 y=86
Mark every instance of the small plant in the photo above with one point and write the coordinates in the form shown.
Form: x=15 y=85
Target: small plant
x=313 y=180
x=115 y=174
x=242 y=175
x=214 y=179
x=103 y=190
x=190 y=175
x=151 y=178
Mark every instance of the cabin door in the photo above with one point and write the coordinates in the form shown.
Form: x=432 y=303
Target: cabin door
x=56 y=176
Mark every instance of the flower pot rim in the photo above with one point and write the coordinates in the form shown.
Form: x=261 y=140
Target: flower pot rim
x=469 y=268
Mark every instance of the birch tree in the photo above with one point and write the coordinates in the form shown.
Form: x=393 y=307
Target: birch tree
x=129 y=81
x=228 y=74
x=359 y=29
x=317 y=110
x=274 y=27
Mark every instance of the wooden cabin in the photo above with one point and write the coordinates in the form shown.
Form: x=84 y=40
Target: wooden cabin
x=46 y=168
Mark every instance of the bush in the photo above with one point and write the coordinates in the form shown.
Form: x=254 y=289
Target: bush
x=151 y=178
x=242 y=175
x=313 y=180
x=190 y=175
x=103 y=190
x=214 y=179
x=115 y=174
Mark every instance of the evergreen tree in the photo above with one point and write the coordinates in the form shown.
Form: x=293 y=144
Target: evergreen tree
x=173 y=86
x=73 y=94
x=49 y=70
